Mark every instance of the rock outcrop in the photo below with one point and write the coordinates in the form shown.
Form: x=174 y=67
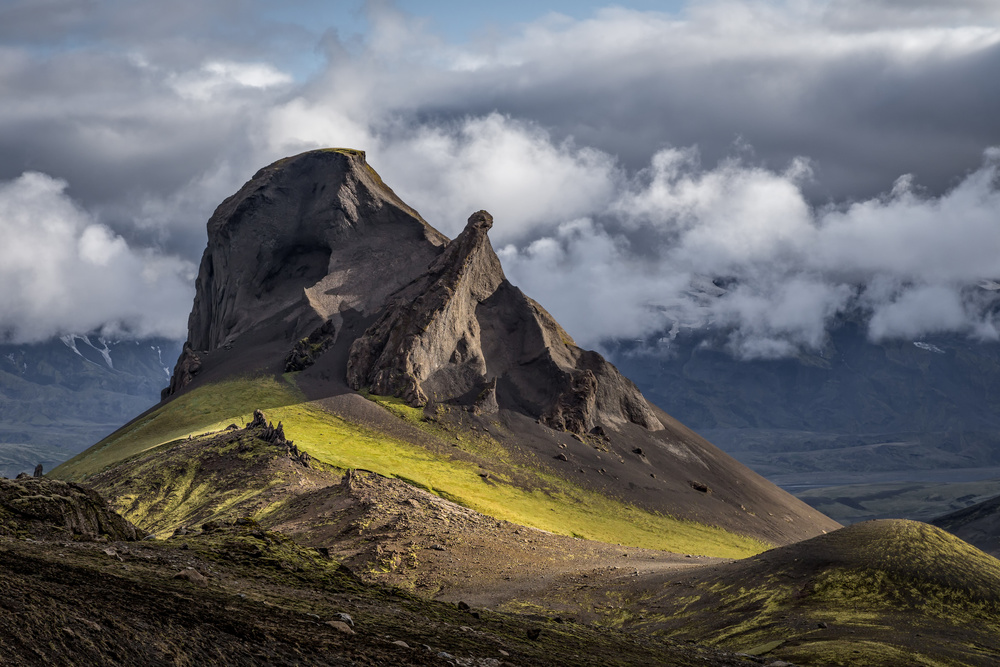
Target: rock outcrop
x=51 y=509
x=307 y=239
x=462 y=334
x=188 y=366
x=264 y=430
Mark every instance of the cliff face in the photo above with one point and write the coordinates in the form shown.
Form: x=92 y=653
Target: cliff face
x=462 y=334
x=316 y=237
x=305 y=238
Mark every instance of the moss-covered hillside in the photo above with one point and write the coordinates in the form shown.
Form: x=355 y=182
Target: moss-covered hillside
x=468 y=467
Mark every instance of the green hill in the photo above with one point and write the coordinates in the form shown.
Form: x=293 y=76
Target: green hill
x=470 y=468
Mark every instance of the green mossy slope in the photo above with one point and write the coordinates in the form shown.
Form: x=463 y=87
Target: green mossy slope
x=544 y=502
x=888 y=592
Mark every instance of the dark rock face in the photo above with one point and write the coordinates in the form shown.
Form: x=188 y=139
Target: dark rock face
x=462 y=334
x=188 y=366
x=46 y=508
x=305 y=351
x=260 y=428
x=307 y=238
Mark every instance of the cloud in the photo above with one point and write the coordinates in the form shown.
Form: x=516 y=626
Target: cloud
x=215 y=78
x=865 y=14
x=734 y=167
x=62 y=272
x=511 y=168
x=742 y=251
x=917 y=311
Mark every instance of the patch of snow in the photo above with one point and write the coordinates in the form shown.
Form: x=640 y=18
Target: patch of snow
x=105 y=352
x=104 y=349
x=159 y=357
x=69 y=341
x=927 y=346
x=990 y=285
x=13 y=362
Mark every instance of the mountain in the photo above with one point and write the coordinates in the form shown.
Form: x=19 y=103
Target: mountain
x=853 y=406
x=318 y=282
x=978 y=524
x=58 y=397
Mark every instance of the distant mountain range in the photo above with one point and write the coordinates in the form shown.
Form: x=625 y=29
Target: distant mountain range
x=856 y=406
x=59 y=397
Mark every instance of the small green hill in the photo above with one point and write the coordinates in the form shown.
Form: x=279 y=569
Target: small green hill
x=889 y=592
x=512 y=490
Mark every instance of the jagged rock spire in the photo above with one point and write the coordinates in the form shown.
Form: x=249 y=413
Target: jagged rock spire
x=462 y=334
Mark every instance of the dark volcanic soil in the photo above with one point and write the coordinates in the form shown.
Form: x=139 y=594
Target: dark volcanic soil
x=238 y=595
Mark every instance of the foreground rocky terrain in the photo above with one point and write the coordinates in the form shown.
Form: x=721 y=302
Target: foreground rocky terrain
x=261 y=564
x=234 y=593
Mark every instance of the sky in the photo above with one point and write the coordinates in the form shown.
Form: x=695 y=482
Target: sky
x=761 y=170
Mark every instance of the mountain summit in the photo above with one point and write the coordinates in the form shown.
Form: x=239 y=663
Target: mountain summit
x=308 y=239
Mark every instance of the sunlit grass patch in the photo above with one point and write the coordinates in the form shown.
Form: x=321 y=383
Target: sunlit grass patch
x=548 y=503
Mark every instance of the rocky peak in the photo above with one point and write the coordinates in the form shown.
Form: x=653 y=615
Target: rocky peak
x=316 y=244
x=426 y=344
x=462 y=334
x=306 y=238
x=264 y=430
x=310 y=239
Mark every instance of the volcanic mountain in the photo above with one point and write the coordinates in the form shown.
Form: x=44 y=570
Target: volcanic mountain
x=323 y=295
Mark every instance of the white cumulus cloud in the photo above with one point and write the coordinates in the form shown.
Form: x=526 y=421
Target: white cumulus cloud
x=62 y=272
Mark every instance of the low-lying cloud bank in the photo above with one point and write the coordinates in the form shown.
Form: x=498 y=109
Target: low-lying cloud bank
x=783 y=270
x=64 y=272
x=646 y=170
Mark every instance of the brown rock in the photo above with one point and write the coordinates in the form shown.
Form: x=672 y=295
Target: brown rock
x=41 y=506
x=271 y=246
x=461 y=333
x=193 y=576
x=341 y=626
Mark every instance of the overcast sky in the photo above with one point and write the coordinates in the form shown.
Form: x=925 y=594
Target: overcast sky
x=814 y=157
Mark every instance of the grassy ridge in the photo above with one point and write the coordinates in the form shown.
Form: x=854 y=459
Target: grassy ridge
x=551 y=504
x=889 y=592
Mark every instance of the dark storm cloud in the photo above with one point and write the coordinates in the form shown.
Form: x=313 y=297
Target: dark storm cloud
x=864 y=106
x=621 y=155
